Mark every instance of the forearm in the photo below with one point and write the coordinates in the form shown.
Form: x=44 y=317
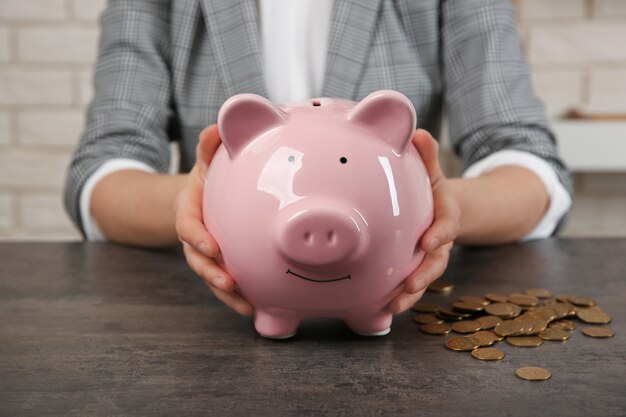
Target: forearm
x=500 y=206
x=137 y=208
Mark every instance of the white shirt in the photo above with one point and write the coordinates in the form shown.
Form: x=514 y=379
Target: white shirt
x=295 y=37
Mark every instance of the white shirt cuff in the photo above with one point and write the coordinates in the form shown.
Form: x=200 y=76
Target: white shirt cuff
x=92 y=231
x=560 y=200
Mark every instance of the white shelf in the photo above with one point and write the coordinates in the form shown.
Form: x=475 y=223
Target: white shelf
x=596 y=146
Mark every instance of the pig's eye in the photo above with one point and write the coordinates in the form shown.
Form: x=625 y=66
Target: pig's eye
x=291 y=159
x=343 y=160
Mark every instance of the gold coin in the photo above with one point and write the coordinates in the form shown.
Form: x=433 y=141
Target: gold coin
x=424 y=307
x=546 y=314
x=554 y=334
x=524 y=341
x=462 y=343
x=563 y=310
x=466 y=326
x=440 y=286
x=485 y=338
x=448 y=314
x=488 y=354
x=503 y=310
x=564 y=298
x=435 y=328
x=488 y=322
x=532 y=373
x=516 y=294
x=581 y=301
x=474 y=299
x=593 y=315
x=496 y=298
x=598 y=332
x=467 y=307
x=427 y=318
x=509 y=328
x=563 y=325
x=539 y=292
x=524 y=300
x=536 y=326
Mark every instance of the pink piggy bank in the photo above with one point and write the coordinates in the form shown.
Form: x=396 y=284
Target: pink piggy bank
x=318 y=207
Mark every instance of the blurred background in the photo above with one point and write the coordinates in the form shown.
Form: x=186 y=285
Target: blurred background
x=47 y=50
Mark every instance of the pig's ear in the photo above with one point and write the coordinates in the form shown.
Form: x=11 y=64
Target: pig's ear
x=389 y=114
x=244 y=117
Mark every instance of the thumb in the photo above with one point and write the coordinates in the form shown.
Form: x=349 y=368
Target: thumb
x=428 y=149
x=208 y=143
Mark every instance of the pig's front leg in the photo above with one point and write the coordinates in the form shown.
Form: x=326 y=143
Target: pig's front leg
x=276 y=323
x=370 y=322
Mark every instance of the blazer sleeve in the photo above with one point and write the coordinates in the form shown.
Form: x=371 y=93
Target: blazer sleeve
x=487 y=86
x=131 y=114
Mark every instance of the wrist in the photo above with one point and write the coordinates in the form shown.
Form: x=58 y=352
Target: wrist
x=136 y=207
x=500 y=206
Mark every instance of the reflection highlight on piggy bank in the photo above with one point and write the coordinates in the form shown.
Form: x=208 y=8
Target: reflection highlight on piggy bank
x=318 y=207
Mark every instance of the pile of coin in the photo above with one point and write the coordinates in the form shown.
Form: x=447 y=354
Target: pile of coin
x=521 y=319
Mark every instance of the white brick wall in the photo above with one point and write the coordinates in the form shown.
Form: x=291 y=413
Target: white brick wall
x=57 y=45
x=25 y=169
x=35 y=86
x=6 y=215
x=33 y=9
x=42 y=211
x=4 y=128
x=609 y=8
x=4 y=44
x=47 y=48
x=88 y=9
x=578 y=42
x=558 y=88
x=607 y=90
x=552 y=9
x=50 y=128
x=84 y=81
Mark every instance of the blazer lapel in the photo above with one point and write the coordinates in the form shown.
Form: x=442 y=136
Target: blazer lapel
x=234 y=33
x=349 y=43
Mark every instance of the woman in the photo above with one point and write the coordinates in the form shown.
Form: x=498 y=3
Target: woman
x=165 y=67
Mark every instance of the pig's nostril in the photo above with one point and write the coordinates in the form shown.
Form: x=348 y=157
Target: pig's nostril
x=331 y=238
x=308 y=238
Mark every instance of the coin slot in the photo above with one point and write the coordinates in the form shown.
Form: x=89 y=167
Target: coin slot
x=316 y=103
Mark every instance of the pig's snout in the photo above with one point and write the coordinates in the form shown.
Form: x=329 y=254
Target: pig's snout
x=319 y=237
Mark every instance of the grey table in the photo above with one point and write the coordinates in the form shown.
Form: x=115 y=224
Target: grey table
x=98 y=329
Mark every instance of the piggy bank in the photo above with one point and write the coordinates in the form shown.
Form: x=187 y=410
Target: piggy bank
x=318 y=207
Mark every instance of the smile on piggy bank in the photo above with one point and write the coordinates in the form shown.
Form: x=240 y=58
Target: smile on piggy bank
x=318 y=207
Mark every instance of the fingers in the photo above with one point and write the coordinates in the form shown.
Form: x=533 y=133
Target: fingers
x=208 y=270
x=189 y=225
x=208 y=142
x=235 y=301
x=432 y=267
x=404 y=301
x=428 y=149
x=447 y=213
x=218 y=281
x=446 y=223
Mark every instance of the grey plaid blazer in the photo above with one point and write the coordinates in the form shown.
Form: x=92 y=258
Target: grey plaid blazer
x=166 y=66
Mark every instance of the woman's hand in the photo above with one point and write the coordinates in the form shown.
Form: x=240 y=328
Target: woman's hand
x=200 y=247
x=437 y=241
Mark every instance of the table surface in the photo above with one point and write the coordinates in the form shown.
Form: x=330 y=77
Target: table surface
x=98 y=329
